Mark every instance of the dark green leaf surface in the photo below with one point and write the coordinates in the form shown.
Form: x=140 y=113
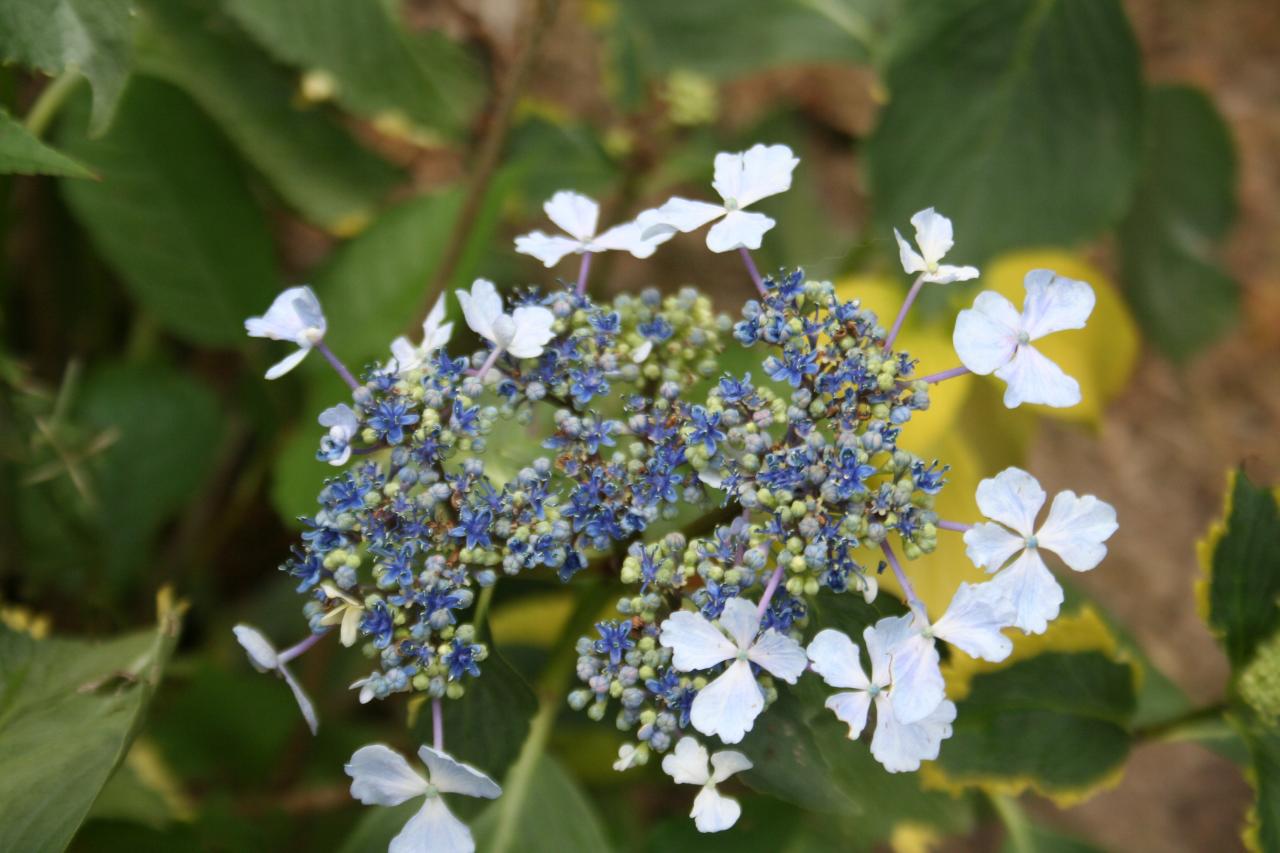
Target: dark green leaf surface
x=93 y=37
x=23 y=154
x=556 y=816
x=1019 y=119
x=68 y=712
x=174 y=217
x=1263 y=740
x=1185 y=204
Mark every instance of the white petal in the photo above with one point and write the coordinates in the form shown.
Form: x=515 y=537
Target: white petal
x=533 y=329
x=404 y=355
x=638 y=355
x=986 y=335
x=548 y=248
x=687 y=763
x=741 y=618
x=758 y=172
x=1032 y=378
x=1055 y=303
x=630 y=237
x=1033 y=591
x=304 y=701
x=934 y=235
x=851 y=708
x=435 y=331
x=453 y=777
x=879 y=643
x=694 y=642
x=574 y=213
x=945 y=274
x=901 y=747
x=728 y=706
x=836 y=659
x=990 y=546
x=366 y=692
x=681 y=214
x=916 y=675
x=738 y=228
x=714 y=812
x=728 y=762
x=341 y=417
x=1013 y=497
x=1075 y=529
x=380 y=776
x=289 y=362
x=293 y=316
x=974 y=620
x=261 y=653
x=434 y=829
x=780 y=655
x=481 y=307
x=911 y=260
x=627 y=757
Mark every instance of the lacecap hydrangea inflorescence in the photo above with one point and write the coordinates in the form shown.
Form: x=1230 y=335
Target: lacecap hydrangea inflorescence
x=800 y=474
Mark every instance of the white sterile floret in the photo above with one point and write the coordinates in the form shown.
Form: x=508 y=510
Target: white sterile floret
x=265 y=658
x=577 y=216
x=347 y=613
x=729 y=705
x=993 y=337
x=741 y=179
x=435 y=334
x=295 y=315
x=380 y=776
x=366 y=688
x=630 y=755
x=343 y=425
x=975 y=620
x=1075 y=529
x=899 y=746
x=935 y=238
x=687 y=765
x=523 y=332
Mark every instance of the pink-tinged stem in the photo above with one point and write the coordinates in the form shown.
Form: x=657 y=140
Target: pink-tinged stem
x=488 y=363
x=770 y=588
x=437 y=724
x=751 y=268
x=294 y=651
x=913 y=600
x=583 y=271
x=945 y=374
x=954 y=525
x=337 y=364
x=902 y=312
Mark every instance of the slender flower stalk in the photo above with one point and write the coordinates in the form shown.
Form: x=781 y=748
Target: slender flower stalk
x=902 y=312
x=298 y=649
x=944 y=375
x=437 y=724
x=913 y=600
x=323 y=348
x=956 y=526
x=751 y=269
x=769 y=590
x=584 y=269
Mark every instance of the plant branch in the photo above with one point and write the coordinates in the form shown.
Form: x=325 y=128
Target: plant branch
x=1170 y=728
x=50 y=101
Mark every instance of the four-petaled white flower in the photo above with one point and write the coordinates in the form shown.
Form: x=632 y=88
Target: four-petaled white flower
x=295 y=315
x=687 y=765
x=347 y=613
x=1075 y=529
x=380 y=776
x=335 y=448
x=523 y=332
x=577 y=216
x=935 y=238
x=729 y=705
x=741 y=179
x=265 y=658
x=435 y=334
x=993 y=337
x=898 y=745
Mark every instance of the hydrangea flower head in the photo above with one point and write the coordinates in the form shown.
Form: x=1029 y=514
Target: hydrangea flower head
x=1075 y=529
x=296 y=316
x=687 y=764
x=577 y=216
x=380 y=776
x=522 y=333
x=994 y=337
x=935 y=237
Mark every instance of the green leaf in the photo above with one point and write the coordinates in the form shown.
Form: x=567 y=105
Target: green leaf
x=173 y=215
x=315 y=165
x=1262 y=829
x=93 y=37
x=556 y=816
x=1057 y=721
x=1044 y=840
x=1019 y=119
x=68 y=711
x=376 y=67
x=1184 y=206
x=1240 y=595
x=22 y=153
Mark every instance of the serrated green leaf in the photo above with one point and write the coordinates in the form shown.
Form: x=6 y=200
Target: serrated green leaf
x=1019 y=119
x=1184 y=205
x=377 y=68
x=93 y=37
x=1262 y=828
x=315 y=165
x=68 y=711
x=173 y=215
x=21 y=153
